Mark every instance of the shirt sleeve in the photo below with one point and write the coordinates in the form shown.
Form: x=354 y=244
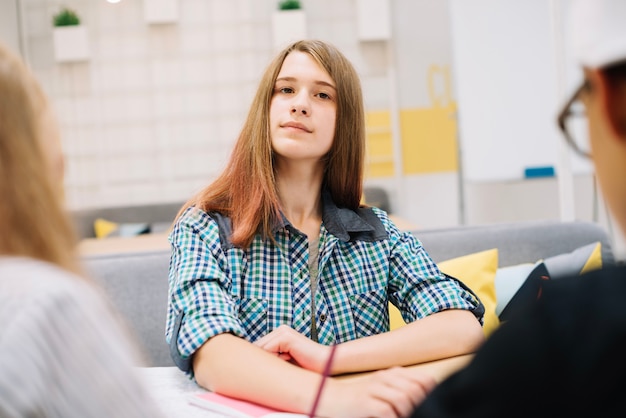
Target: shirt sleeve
x=416 y=285
x=200 y=303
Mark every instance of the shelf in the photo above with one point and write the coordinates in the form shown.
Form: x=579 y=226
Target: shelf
x=374 y=20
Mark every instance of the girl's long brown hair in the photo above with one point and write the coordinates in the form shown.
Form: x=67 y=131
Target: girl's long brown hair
x=246 y=189
x=33 y=222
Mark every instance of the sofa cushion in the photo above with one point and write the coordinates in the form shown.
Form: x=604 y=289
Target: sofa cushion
x=581 y=260
x=527 y=294
x=507 y=291
x=104 y=228
x=519 y=242
x=508 y=281
x=477 y=271
x=512 y=283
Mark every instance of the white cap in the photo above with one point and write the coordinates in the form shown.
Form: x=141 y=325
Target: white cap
x=597 y=32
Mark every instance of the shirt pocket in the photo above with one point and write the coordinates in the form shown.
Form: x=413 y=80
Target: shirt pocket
x=370 y=312
x=253 y=317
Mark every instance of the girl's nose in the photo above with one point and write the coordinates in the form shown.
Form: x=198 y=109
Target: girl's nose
x=301 y=104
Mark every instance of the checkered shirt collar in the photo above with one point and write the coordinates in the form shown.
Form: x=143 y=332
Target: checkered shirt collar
x=346 y=224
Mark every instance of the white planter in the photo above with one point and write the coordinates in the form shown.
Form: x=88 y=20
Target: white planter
x=288 y=26
x=71 y=43
x=374 y=20
x=160 y=11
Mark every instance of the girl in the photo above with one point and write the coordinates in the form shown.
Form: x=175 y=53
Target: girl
x=276 y=259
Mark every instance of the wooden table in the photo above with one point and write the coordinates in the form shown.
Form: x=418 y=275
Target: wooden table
x=441 y=369
x=115 y=245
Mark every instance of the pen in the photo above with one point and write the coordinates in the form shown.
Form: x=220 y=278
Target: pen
x=325 y=375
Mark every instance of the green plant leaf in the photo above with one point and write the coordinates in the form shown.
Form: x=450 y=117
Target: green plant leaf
x=289 y=5
x=66 y=17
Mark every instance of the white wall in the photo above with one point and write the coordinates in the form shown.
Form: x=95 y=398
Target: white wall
x=152 y=116
x=9 y=24
x=513 y=71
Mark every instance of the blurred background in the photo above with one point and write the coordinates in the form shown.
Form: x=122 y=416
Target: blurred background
x=461 y=98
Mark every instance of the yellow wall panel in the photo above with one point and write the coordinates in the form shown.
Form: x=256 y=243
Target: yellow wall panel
x=379 y=157
x=380 y=146
x=428 y=136
x=374 y=170
x=378 y=118
x=429 y=142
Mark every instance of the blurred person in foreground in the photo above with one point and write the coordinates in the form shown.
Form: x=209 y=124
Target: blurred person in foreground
x=565 y=357
x=63 y=352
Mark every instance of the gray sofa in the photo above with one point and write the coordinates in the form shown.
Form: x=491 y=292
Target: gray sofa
x=138 y=286
x=156 y=217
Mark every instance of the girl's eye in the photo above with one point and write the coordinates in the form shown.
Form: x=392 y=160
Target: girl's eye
x=285 y=90
x=323 y=96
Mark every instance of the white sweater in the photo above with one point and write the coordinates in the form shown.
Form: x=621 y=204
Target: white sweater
x=63 y=353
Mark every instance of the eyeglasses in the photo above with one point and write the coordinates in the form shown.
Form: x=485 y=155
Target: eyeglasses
x=573 y=123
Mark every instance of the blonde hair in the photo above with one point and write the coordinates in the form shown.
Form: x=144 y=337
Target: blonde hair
x=33 y=222
x=246 y=190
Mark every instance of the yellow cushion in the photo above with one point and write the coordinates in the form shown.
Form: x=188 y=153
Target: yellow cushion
x=104 y=228
x=594 y=262
x=395 y=317
x=478 y=272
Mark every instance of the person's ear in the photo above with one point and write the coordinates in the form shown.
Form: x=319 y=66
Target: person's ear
x=612 y=96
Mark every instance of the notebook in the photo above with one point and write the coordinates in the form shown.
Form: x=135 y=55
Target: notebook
x=235 y=408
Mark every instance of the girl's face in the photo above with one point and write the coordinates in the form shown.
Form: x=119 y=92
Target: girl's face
x=303 y=109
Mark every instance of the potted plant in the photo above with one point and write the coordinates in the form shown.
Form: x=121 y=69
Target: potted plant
x=70 y=37
x=288 y=23
x=66 y=17
x=373 y=20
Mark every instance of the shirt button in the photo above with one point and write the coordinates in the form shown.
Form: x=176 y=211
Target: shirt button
x=322 y=317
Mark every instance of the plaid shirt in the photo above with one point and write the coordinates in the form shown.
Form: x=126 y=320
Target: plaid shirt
x=364 y=262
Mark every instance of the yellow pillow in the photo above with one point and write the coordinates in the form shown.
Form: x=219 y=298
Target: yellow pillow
x=395 y=317
x=104 y=228
x=594 y=262
x=478 y=272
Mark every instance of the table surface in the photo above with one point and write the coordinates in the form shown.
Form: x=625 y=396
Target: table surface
x=171 y=388
x=116 y=245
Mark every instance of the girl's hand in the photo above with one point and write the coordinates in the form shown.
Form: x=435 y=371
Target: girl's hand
x=292 y=346
x=393 y=392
